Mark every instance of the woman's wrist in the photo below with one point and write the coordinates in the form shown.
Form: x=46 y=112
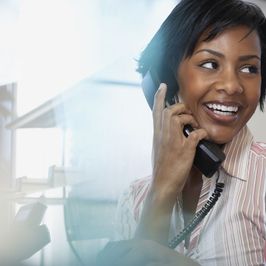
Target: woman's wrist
x=164 y=193
x=161 y=198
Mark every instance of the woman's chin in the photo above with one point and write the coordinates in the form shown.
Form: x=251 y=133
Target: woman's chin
x=220 y=138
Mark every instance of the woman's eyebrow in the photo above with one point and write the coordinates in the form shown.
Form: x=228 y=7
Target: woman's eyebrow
x=241 y=58
x=210 y=51
x=247 y=57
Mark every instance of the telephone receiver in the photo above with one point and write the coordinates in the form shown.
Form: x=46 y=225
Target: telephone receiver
x=209 y=155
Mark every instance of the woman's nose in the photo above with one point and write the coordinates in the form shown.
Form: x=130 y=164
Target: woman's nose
x=230 y=82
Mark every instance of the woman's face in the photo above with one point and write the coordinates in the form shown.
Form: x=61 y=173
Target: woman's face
x=220 y=83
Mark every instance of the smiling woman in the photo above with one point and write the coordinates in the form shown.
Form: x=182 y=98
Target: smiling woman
x=216 y=53
x=220 y=83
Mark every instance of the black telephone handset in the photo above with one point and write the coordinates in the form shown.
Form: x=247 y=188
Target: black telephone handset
x=208 y=156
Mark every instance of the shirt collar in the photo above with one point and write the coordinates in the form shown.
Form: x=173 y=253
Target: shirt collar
x=237 y=152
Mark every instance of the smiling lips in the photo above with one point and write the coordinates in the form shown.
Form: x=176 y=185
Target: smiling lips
x=222 y=110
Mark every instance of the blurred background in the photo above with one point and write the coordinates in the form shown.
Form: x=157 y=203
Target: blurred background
x=75 y=128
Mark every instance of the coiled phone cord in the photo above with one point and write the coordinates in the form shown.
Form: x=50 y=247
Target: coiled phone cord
x=173 y=243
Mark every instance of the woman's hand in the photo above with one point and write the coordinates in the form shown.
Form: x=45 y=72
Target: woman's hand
x=173 y=153
x=138 y=252
x=173 y=156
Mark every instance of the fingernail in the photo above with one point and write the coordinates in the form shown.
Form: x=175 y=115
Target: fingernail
x=162 y=86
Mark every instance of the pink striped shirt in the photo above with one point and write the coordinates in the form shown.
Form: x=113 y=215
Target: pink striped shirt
x=233 y=232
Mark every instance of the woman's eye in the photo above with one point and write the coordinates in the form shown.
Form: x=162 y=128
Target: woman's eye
x=209 y=65
x=249 y=69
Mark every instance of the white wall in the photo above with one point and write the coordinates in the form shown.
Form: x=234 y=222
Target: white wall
x=258 y=121
x=8 y=33
x=257 y=125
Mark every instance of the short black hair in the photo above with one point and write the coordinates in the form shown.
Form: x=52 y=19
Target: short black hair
x=177 y=37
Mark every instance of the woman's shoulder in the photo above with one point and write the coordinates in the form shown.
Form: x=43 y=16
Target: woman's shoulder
x=140 y=186
x=141 y=182
x=133 y=197
x=259 y=148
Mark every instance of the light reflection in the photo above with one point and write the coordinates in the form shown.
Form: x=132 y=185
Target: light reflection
x=108 y=127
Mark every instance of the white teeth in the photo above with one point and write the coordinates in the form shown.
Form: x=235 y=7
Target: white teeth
x=222 y=113
x=222 y=108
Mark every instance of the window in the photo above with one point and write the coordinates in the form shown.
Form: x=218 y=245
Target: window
x=82 y=122
x=59 y=58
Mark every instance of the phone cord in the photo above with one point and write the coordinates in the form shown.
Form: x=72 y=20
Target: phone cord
x=173 y=243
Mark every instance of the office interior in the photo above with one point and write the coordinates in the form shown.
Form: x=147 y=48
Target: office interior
x=75 y=127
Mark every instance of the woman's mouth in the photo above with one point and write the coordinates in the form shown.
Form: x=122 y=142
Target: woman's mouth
x=222 y=112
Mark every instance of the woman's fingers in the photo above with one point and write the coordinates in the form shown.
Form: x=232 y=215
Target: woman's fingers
x=195 y=136
x=177 y=122
x=161 y=112
x=173 y=152
x=158 y=106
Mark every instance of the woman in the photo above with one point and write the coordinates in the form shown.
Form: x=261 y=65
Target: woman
x=217 y=53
